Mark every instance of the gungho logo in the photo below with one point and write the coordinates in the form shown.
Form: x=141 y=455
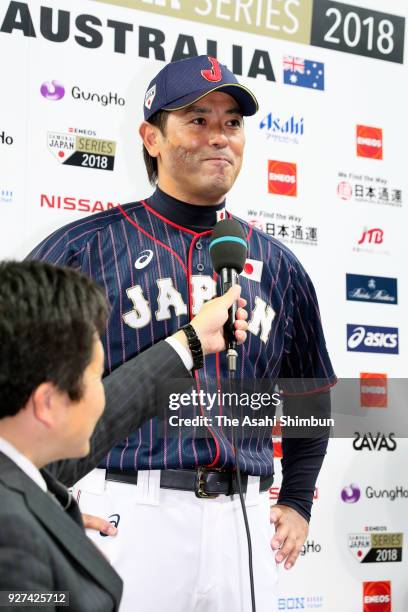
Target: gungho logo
x=52 y=90
x=351 y=494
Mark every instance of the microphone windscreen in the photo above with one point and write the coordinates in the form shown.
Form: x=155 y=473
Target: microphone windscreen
x=228 y=246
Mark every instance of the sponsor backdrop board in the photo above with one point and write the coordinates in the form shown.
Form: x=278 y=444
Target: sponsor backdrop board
x=323 y=173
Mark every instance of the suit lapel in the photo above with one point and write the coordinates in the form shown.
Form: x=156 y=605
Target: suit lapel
x=65 y=526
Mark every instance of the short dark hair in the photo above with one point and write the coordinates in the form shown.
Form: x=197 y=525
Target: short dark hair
x=159 y=120
x=48 y=319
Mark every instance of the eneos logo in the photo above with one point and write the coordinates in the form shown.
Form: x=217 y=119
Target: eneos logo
x=377 y=596
x=373 y=390
x=369 y=142
x=282 y=178
x=372 y=339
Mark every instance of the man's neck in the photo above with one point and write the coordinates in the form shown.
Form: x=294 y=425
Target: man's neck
x=24 y=442
x=201 y=199
x=196 y=218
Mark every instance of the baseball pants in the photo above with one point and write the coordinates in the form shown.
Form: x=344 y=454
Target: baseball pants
x=177 y=552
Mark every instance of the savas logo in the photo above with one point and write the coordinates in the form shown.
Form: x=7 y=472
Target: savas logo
x=81 y=151
x=282 y=178
x=377 y=596
x=369 y=142
x=378 y=289
x=376 y=442
x=373 y=390
x=372 y=339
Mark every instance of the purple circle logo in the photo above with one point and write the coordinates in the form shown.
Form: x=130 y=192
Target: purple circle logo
x=351 y=494
x=52 y=91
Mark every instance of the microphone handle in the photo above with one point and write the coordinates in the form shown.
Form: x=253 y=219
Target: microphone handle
x=229 y=277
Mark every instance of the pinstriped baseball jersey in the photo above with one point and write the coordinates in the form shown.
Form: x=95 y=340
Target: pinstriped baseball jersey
x=156 y=275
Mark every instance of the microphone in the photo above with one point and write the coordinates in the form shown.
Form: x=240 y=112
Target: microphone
x=228 y=251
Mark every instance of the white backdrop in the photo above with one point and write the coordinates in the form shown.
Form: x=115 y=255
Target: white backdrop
x=323 y=222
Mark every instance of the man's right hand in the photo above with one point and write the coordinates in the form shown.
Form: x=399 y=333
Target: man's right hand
x=209 y=322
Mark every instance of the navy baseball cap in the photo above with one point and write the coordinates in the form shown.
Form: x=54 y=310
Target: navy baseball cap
x=181 y=83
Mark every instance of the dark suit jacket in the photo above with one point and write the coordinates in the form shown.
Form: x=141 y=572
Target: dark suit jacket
x=42 y=546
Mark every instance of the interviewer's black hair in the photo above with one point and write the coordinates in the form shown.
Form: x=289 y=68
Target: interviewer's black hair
x=48 y=320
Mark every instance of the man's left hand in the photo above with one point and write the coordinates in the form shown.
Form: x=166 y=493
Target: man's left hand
x=291 y=531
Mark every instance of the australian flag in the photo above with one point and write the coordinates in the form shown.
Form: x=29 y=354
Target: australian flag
x=303 y=73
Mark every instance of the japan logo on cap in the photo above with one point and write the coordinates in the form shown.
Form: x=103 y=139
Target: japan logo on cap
x=149 y=97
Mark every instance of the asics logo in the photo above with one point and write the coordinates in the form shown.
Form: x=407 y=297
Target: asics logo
x=144 y=259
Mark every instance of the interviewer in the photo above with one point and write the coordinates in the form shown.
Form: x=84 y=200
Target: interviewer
x=52 y=400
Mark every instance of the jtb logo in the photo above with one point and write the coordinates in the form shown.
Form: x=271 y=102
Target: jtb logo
x=372 y=236
x=371 y=339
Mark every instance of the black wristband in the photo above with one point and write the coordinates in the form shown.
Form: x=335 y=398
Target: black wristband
x=194 y=345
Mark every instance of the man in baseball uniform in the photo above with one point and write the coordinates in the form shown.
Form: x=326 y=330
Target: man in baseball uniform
x=181 y=543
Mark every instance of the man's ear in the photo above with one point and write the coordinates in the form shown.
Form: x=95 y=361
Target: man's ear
x=46 y=403
x=150 y=134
